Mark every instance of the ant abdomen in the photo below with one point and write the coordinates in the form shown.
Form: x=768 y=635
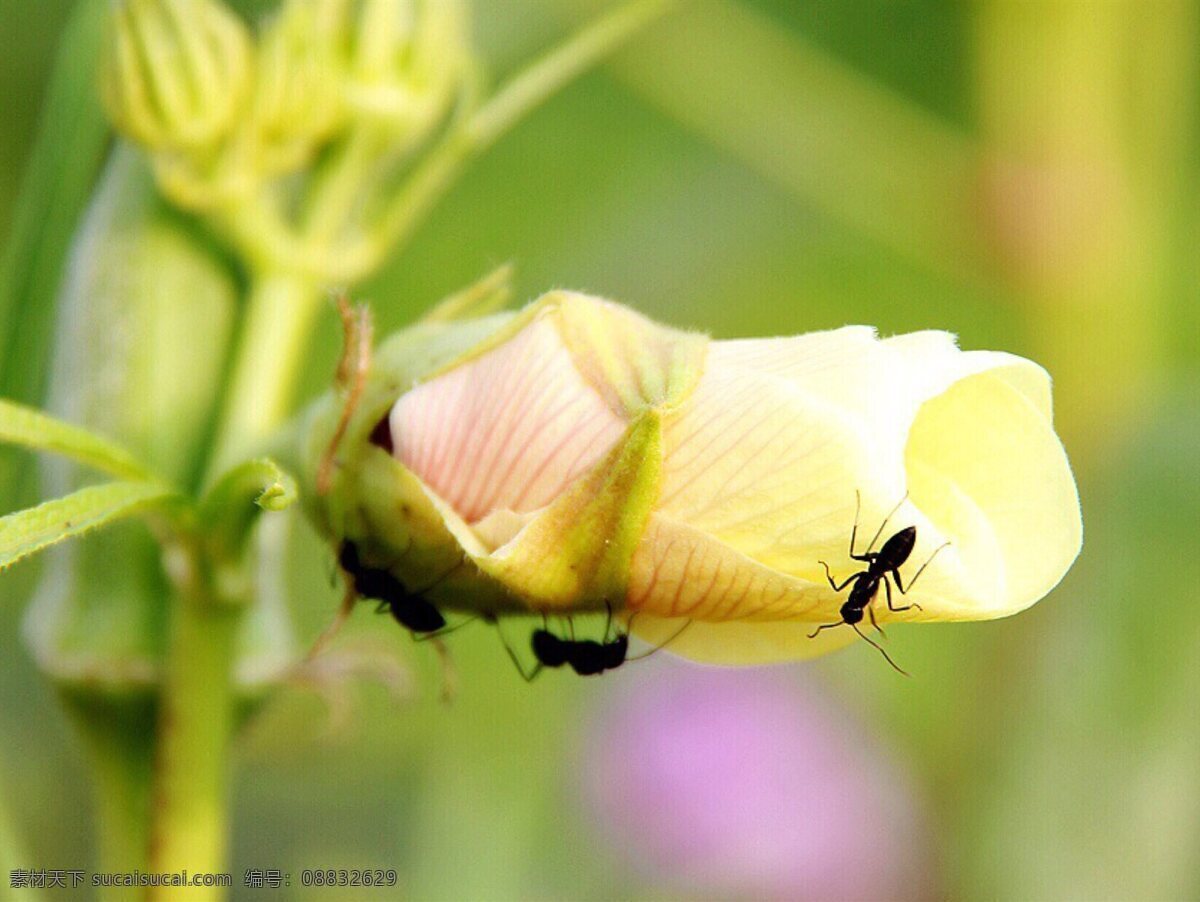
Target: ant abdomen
x=895 y=551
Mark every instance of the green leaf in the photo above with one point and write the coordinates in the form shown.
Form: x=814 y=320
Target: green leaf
x=21 y=425
x=489 y=294
x=25 y=532
x=70 y=145
x=231 y=506
x=71 y=142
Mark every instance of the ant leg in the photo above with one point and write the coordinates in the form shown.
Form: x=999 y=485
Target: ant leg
x=335 y=625
x=824 y=626
x=444 y=631
x=829 y=576
x=512 y=656
x=891 y=607
x=879 y=648
x=663 y=644
x=896 y=572
x=854 y=531
x=608 y=622
x=449 y=672
x=878 y=628
x=866 y=555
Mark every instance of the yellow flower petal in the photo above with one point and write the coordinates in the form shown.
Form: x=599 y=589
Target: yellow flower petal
x=739 y=643
x=769 y=469
x=682 y=572
x=982 y=457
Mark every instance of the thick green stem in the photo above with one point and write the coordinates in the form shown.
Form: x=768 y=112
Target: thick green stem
x=191 y=793
x=13 y=854
x=279 y=319
x=119 y=734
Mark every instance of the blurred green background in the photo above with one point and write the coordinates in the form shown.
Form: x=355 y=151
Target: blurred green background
x=1022 y=174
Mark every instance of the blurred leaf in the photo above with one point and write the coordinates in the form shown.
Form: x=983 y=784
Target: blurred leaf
x=816 y=128
x=71 y=140
x=63 y=163
x=25 y=532
x=511 y=103
x=31 y=428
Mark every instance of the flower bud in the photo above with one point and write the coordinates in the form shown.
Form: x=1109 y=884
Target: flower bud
x=297 y=101
x=405 y=61
x=175 y=72
x=579 y=455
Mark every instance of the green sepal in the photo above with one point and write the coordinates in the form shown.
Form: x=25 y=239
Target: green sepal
x=229 y=510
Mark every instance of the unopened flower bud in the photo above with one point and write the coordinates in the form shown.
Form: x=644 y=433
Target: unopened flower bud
x=176 y=72
x=297 y=101
x=405 y=61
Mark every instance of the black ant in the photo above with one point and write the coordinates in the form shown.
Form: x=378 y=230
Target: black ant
x=586 y=657
x=408 y=608
x=881 y=565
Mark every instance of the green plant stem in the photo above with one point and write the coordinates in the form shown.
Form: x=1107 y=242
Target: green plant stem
x=524 y=92
x=13 y=854
x=190 y=805
x=189 y=813
x=280 y=316
x=120 y=738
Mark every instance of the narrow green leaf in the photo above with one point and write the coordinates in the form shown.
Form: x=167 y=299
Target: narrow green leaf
x=70 y=145
x=488 y=295
x=72 y=137
x=818 y=128
x=21 y=425
x=231 y=506
x=26 y=532
x=511 y=103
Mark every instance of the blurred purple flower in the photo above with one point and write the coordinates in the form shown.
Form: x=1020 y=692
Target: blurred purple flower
x=752 y=784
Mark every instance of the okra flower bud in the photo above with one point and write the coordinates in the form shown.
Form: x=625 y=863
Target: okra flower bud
x=298 y=99
x=578 y=456
x=176 y=72
x=405 y=61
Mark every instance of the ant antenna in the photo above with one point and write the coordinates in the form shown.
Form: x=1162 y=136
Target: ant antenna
x=926 y=564
x=878 y=648
x=879 y=531
x=355 y=362
x=449 y=671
